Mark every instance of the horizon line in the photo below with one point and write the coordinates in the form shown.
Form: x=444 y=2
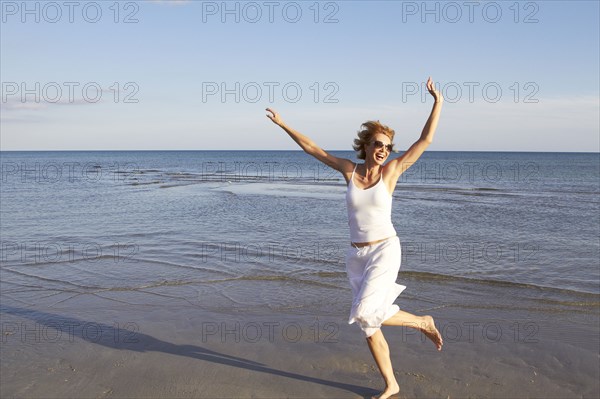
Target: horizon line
x=279 y=150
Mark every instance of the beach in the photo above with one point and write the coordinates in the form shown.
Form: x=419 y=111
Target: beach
x=178 y=218
x=101 y=349
x=173 y=275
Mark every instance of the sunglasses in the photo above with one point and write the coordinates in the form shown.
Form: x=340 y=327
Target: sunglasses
x=378 y=144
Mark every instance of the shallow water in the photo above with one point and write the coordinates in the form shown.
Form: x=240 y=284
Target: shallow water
x=90 y=221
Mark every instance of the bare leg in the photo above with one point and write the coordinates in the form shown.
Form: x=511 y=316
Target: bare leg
x=423 y=323
x=381 y=353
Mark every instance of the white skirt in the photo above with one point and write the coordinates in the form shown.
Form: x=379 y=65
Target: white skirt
x=372 y=271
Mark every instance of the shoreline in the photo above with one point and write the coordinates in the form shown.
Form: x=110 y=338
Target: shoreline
x=95 y=347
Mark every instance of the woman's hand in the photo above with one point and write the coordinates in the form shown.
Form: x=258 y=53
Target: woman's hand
x=437 y=96
x=275 y=117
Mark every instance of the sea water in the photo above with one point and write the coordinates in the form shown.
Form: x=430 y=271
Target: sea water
x=268 y=229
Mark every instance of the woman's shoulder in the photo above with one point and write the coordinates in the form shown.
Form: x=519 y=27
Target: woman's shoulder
x=349 y=171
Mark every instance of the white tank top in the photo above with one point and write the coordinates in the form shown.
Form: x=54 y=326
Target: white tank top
x=369 y=212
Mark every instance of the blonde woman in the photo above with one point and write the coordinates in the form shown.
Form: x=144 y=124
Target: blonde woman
x=373 y=257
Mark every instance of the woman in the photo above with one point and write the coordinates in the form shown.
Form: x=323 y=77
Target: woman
x=373 y=258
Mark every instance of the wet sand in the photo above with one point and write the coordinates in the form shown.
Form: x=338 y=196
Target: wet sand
x=96 y=348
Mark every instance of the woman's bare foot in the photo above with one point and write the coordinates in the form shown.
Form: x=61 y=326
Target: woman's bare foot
x=390 y=390
x=428 y=328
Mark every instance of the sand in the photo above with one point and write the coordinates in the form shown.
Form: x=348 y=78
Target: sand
x=96 y=348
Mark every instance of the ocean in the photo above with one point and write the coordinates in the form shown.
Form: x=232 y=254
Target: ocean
x=243 y=230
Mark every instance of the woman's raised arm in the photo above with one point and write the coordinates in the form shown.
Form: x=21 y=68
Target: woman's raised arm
x=310 y=147
x=410 y=156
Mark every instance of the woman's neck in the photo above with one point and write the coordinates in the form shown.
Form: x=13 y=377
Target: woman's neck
x=371 y=170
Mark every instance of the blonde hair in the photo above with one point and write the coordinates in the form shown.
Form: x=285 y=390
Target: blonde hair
x=365 y=136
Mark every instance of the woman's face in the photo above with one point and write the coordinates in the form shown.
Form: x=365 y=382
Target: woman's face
x=378 y=149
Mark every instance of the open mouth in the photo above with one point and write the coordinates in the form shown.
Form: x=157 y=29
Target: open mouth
x=380 y=157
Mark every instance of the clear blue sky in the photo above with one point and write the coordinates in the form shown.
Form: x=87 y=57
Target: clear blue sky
x=517 y=76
